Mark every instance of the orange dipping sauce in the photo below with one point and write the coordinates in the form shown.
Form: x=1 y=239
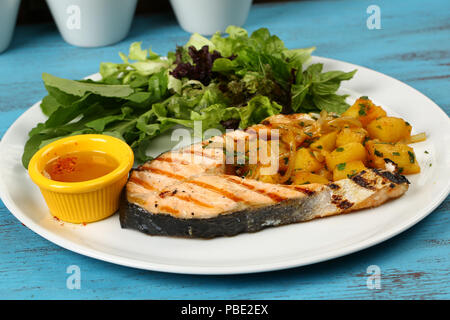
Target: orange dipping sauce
x=80 y=166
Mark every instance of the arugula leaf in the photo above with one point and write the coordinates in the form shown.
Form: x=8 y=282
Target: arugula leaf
x=77 y=88
x=331 y=102
x=314 y=90
x=298 y=92
x=100 y=124
x=49 y=105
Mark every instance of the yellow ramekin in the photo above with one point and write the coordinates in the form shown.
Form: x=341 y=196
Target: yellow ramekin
x=86 y=201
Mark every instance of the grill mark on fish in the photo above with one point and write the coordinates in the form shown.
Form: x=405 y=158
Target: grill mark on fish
x=189 y=198
x=142 y=183
x=137 y=200
x=360 y=180
x=165 y=173
x=340 y=203
x=304 y=190
x=171 y=159
x=223 y=192
x=393 y=177
x=167 y=209
x=345 y=204
x=333 y=186
x=196 y=201
x=173 y=193
x=275 y=197
x=167 y=193
x=336 y=198
x=204 y=185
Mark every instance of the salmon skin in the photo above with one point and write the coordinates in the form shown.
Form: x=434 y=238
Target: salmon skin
x=188 y=193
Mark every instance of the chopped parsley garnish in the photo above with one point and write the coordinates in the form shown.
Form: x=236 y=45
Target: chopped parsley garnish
x=362 y=110
x=339 y=149
x=286 y=160
x=365 y=140
x=411 y=157
x=426 y=151
x=400 y=170
x=341 y=166
x=319 y=147
x=352 y=174
x=309 y=134
x=395 y=153
x=364 y=97
x=378 y=153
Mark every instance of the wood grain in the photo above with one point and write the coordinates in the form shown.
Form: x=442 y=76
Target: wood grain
x=412 y=46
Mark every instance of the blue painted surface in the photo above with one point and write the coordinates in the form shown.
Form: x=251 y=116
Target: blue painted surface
x=413 y=46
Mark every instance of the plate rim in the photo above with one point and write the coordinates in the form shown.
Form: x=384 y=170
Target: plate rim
x=225 y=270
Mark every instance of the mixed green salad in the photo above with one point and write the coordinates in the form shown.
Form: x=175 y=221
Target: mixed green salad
x=231 y=80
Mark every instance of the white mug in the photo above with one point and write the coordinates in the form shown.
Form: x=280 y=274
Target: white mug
x=208 y=16
x=8 y=16
x=93 y=23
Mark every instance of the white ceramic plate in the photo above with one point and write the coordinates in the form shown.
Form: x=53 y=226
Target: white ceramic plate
x=271 y=249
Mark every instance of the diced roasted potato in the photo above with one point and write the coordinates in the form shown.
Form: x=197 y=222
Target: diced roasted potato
x=350 y=152
x=305 y=160
x=326 y=142
x=389 y=129
x=325 y=173
x=305 y=177
x=401 y=154
x=347 y=135
x=364 y=110
x=347 y=169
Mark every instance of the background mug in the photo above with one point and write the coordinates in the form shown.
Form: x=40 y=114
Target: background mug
x=8 y=16
x=93 y=23
x=208 y=16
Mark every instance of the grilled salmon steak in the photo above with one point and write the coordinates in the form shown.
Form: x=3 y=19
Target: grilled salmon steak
x=192 y=192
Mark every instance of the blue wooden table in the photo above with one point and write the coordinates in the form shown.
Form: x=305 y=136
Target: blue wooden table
x=413 y=45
